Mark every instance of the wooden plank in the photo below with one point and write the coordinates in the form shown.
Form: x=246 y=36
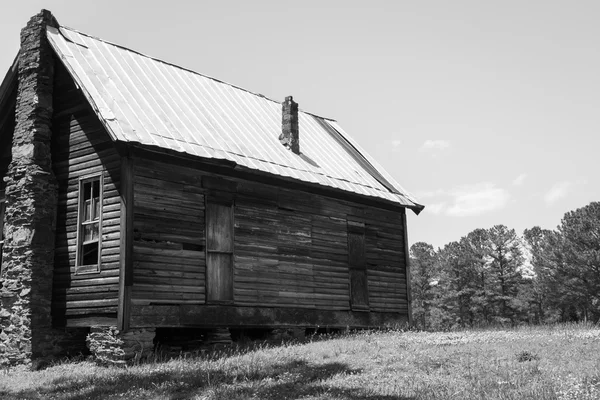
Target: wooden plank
x=219 y=184
x=407 y=268
x=126 y=244
x=86 y=322
x=270 y=316
x=219 y=277
x=219 y=227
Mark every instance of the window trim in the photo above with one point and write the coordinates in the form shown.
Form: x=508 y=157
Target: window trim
x=92 y=268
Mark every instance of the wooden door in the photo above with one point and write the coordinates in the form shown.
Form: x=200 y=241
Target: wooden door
x=219 y=252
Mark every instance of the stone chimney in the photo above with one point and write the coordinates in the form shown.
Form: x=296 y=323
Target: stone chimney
x=26 y=335
x=290 y=137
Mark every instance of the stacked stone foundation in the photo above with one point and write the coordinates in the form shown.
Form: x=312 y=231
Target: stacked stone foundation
x=109 y=346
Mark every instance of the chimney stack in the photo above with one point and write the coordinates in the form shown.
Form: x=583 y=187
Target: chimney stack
x=289 y=125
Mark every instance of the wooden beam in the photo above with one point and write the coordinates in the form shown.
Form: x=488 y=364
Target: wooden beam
x=273 y=317
x=407 y=261
x=126 y=245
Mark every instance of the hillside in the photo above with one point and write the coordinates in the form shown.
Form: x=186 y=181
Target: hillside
x=556 y=362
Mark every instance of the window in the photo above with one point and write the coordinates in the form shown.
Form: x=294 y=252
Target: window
x=90 y=225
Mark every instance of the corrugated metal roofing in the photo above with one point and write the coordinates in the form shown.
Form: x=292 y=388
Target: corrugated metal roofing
x=151 y=102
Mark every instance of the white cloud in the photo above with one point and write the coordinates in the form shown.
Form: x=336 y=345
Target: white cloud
x=466 y=200
x=470 y=200
x=435 y=145
x=518 y=181
x=396 y=143
x=557 y=192
x=435 y=208
x=430 y=193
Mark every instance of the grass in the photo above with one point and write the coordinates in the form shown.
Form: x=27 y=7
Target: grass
x=556 y=362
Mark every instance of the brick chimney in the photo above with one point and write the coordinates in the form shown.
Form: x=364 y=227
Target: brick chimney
x=26 y=335
x=290 y=137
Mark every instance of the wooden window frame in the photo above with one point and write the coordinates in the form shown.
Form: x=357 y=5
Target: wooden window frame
x=80 y=268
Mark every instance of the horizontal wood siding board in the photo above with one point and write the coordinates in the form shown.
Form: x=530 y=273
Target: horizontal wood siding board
x=290 y=247
x=169 y=262
x=81 y=147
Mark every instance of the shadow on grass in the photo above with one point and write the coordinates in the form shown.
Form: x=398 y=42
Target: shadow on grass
x=295 y=379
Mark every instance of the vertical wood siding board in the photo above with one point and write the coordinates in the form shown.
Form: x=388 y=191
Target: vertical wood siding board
x=220 y=241
x=126 y=245
x=407 y=267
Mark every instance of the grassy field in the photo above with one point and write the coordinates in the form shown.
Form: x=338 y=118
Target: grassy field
x=559 y=362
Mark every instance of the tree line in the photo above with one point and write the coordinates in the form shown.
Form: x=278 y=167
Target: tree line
x=495 y=276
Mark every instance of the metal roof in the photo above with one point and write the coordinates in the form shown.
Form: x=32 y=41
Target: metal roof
x=144 y=100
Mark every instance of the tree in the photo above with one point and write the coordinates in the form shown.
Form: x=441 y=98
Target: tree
x=506 y=261
x=580 y=266
x=541 y=244
x=476 y=253
x=423 y=271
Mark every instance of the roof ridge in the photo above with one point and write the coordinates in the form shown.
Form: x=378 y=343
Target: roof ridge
x=183 y=68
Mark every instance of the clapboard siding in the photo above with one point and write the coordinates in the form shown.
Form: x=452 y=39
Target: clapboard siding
x=81 y=147
x=290 y=247
x=169 y=261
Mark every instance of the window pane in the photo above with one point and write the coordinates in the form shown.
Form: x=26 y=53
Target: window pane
x=90 y=232
x=87 y=210
x=89 y=235
x=96 y=188
x=90 y=254
x=96 y=208
x=87 y=190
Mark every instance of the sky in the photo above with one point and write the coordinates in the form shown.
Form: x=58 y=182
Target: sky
x=487 y=112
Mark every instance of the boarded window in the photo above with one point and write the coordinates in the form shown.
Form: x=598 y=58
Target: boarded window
x=90 y=225
x=219 y=252
x=359 y=293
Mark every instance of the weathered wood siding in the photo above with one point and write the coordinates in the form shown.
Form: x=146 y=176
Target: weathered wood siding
x=169 y=260
x=81 y=147
x=290 y=247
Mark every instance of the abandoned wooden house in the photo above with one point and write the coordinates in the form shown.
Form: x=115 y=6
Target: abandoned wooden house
x=139 y=196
